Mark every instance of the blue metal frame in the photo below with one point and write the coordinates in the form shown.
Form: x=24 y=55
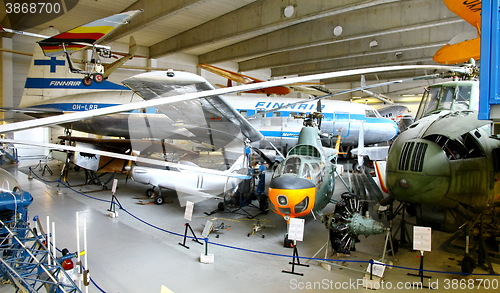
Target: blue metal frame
x=489 y=75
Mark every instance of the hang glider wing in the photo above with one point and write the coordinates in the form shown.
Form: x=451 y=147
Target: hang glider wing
x=75 y=116
x=208 y=120
x=148 y=161
x=462 y=47
x=86 y=35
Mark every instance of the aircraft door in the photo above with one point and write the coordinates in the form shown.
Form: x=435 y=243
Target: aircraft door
x=341 y=124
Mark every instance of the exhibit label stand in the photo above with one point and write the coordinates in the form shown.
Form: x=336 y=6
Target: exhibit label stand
x=188 y=215
x=295 y=233
x=114 y=200
x=375 y=272
x=206 y=257
x=422 y=242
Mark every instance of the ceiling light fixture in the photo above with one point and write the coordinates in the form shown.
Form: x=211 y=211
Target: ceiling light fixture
x=337 y=31
x=288 y=11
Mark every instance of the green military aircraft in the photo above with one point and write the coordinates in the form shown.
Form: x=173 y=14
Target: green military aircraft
x=447 y=163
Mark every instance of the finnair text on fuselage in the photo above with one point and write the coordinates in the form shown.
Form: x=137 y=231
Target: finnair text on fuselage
x=65 y=83
x=273 y=105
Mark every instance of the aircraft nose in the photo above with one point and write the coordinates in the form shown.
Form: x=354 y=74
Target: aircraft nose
x=292 y=196
x=393 y=129
x=418 y=171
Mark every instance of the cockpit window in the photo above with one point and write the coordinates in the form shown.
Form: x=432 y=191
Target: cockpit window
x=292 y=165
x=450 y=97
x=463 y=98
x=370 y=114
x=306 y=173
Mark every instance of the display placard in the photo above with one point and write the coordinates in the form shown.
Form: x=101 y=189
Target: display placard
x=188 y=213
x=377 y=269
x=422 y=238
x=296 y=229
x=115 y=184
x=207 y=229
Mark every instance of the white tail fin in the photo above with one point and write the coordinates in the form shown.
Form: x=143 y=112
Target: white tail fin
x=50 y=78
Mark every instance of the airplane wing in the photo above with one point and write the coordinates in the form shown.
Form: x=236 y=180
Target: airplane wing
x=461 y=51
x=69 y=117
x=276 y=90
x=85 y=35
x=470 y=11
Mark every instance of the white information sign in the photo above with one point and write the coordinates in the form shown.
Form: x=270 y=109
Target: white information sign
x=115 y=183
x=188 y=213
x=296 y=229
x=377 y=269
x=207 y=229
x=422 y=238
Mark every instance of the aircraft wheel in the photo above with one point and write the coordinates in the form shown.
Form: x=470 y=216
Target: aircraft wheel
x=98 y=77
x=149 y=192
x=159 y=200
x=87 y=81
x=468 y=264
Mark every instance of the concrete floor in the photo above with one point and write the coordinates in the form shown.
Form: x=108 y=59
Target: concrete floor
x=135 y=254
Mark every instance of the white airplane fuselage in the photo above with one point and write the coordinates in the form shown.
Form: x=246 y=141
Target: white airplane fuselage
x=280 y=127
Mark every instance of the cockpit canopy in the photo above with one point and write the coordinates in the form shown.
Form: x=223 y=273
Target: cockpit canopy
x=454 y=96
x=300 y=166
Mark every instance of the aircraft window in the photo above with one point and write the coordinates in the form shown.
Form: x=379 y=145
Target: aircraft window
x=292 y=165
x=370 y=114
x=244 y=113
x=307 y=172
x=463 y=98
x=317 y=172
x=447 y=98
x=429 y=102
x=276 y=114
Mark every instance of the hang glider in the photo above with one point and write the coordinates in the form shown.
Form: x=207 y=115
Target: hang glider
x=303 y=87
x=462 y=47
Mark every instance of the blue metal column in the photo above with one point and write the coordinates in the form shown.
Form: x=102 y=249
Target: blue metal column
x=489 y=76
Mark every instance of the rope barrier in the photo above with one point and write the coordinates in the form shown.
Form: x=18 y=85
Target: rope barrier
x=207 y=240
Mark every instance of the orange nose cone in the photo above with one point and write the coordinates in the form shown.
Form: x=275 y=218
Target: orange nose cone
x=291 y=196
